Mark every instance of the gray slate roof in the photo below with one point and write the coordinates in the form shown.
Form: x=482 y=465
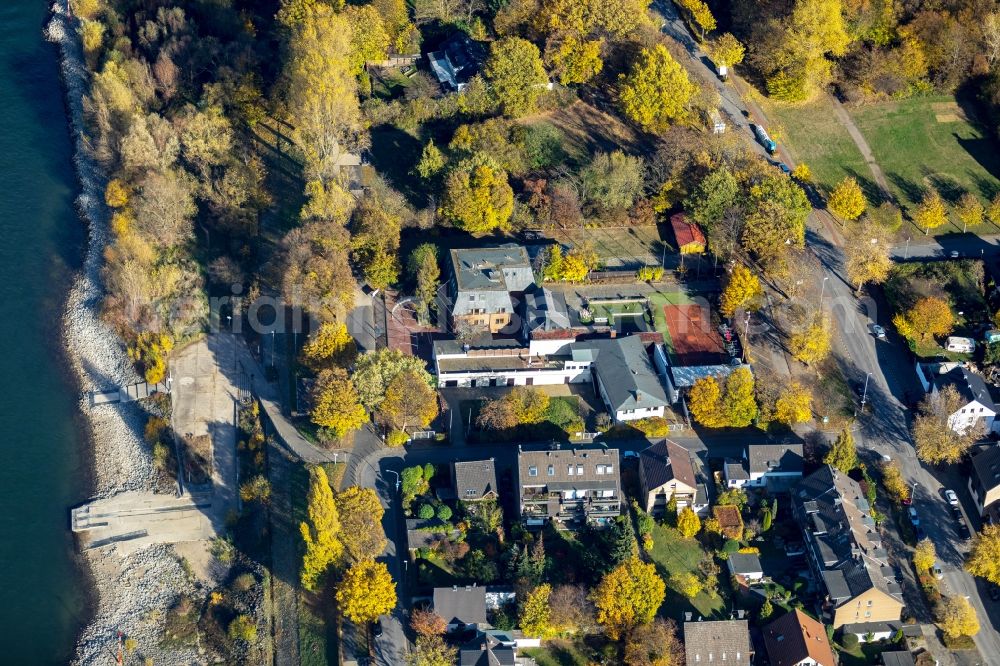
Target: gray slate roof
x=560 y=459
x=898 y=658
x=837 y=521
x=717 y=642
x=545 y=310
x=744 y=563
x=503 y=268
x=986 y=467
x=625 y=371
x=461 y=605
x=779 y=458
x=474 y=480
x=486 y=650
x=969 y=385
x=736 y=471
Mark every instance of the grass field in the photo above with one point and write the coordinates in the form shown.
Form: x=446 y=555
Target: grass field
x=812 y=134
x=674 y=554
x=930 y=141
x=630 y=247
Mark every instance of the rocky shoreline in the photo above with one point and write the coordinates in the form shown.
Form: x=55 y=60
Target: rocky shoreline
x=133 y=593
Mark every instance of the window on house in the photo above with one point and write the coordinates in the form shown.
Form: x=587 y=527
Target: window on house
x=963 y=410
x=503 y=309
x=569 y=470
x=532 y=471
x=472 y=297
x=579 y=470
x=552 y=470
x=600 y=469
x=469 y=492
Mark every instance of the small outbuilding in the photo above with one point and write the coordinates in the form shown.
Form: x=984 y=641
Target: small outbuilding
x=690 y=238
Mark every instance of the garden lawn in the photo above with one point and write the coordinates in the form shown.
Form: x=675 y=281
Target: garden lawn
x=930 y=141
x=617 y=247
x=811 y=133
x=559 y=653
x=563 y=413
x=673 y=554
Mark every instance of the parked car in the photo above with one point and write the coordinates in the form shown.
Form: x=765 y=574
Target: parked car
x=377 y=628
x=994 y=592
x=914 y=518
x=954 y=254
x=963 y=531
x=784 y=168
x=951 y=497
x=937 y=571
x=956 y=512
x=630 y=454
x=878 y=332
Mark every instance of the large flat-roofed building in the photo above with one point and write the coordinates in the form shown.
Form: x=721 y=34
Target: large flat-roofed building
x=569 y=487
x=482 y=283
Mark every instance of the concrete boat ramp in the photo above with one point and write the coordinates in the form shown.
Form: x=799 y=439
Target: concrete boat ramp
x=128 y=393
x=134 y=520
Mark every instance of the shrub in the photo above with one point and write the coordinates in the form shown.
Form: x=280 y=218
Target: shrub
x=243 y=628
x=654 y=426
x=244 y=582
x=396 y=438
x=426 y=511
x=849 y=641
x=444 y=512
x=731 y=546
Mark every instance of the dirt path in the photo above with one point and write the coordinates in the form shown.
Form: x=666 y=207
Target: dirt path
x=284 y=560
x=859 y=140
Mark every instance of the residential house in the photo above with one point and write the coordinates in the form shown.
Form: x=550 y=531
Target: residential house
x=746 y=567
x=474 y=480
x=795 y=639
x=624 y=377
x=844 y=549
x=489 y=648
x=730 y=521
x=484 y=284
x=461 y=607
x=504 y=362
x=736 y=474
x=977 y=404
x=717 y=642
x=666 y=470
x=775 y=465
x=984 y=482
x=689 y=237
x=456 y=61
x=570 y=487
x=546 y=325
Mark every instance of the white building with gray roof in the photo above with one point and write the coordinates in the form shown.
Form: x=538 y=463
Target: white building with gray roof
x=624 y=377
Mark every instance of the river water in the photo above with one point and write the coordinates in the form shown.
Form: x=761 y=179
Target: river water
x=42 y=463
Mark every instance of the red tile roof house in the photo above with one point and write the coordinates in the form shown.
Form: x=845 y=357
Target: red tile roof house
x=795 y=639
x=690 y=239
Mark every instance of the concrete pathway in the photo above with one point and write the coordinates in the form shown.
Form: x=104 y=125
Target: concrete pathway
x=859 y=140
x=284 y=558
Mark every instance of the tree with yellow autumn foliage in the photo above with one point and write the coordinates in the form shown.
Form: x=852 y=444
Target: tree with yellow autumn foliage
x=931 y=212
x=794 y=405
x=657 y=92
x=957 y=617
x=847 y=201
x=628 y=596
x=929 y=317
x=366 y=591
x=477 y=196
x=331 y=345
x=320 y=531
x=688 y=523
x=743 y=292
x=335 y=404
x=812 y=344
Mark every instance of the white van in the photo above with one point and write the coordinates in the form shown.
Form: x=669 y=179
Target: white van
x=956 y=344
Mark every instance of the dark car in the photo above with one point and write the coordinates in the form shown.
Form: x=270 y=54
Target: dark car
x=377 y=628
x=921 y=535
x=956 y=512
x=963 y=531
x=994 y=592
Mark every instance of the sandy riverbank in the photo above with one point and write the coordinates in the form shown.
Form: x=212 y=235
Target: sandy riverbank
x=132 y=593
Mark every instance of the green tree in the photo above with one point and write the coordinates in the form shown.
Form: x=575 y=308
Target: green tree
x=320 y=531
x=243 y=628
x=375 y=370
x=477 y=196
x=432 y=161
x=624 y=545
x=612 y=181
x=715 y=194
x=426 y=272
x=843 y=455
x=516 y=75
x=657 y=91
x=628 y=596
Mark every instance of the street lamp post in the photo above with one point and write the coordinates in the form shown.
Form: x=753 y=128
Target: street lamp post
x=822 y=293
x=398 y=483
x=273 y=348
x=864 y=394
x=906 y=255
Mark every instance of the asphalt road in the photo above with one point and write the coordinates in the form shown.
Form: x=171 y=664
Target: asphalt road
x=884 y=425
x=968 y=246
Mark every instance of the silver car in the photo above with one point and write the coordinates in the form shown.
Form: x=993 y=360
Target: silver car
x=878 y=331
